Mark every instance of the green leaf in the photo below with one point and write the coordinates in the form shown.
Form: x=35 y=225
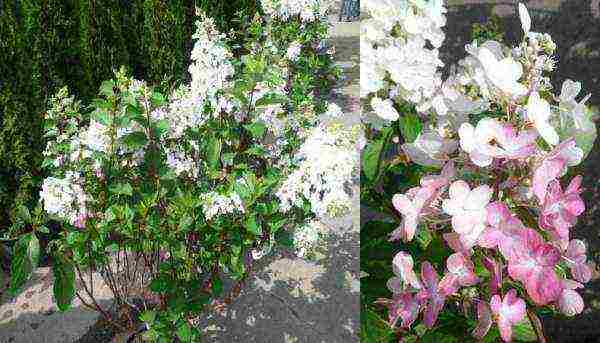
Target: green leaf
x=121 y=188
x=107 y=88
x=410 y=126
x=26 y=254
x=64 y=282
x=252 y=226
x=271 y=99
x=524 y=331
x=158 y=99
x=214 y=153
x=257 y=129
x=159 y=285
x=23 y=213
x=148 y=316
x=371 y=156
x=135 y=140
x=184 y=332
x=217 y=286
x=373 y=329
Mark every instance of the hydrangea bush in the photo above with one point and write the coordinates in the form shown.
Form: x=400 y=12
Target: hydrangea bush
x=171 y=197
x=474 y=172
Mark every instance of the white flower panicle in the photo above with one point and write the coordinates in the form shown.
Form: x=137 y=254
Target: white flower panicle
x=308 y=237
x=215 y=204
x=306 y=10
x=327 y=163
x=65 y=197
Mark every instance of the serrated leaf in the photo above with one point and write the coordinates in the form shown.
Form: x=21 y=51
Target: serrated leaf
x=148 y=316
x=214 y=153
x=64 y=283
x=184 y=332
x=107 y=88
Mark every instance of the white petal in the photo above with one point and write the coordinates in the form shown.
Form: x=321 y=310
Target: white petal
x=466 y=132
x=478 y=198
x=525 y=18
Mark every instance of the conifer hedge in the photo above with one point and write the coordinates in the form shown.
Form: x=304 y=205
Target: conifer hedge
x=47 y=44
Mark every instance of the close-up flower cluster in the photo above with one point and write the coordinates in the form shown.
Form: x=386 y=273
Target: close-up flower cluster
x=501 y=210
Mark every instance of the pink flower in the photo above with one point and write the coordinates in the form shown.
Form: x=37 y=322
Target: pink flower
x=503 y=229
x=433 y=295
x=575 y=258
x=403 y=268
x=507 y=312
x=554 y=165
x=484 y=320
x=495 y=269
x=460 y=271
x=467 y=208
x=404 y=306
x=453 y=241
x=570 y=302
x=560 y=210
x=532 y=262
x=415 y=203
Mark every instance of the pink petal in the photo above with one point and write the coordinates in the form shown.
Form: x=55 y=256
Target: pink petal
x=549 y=170
x=505 y=328
x=515 y=307
x=582 y=272
x=495 y=270
x=402 y=265
x=484 y=320
x=570 y=302
x=454 y=242
x=428 y=275
x=543 y=287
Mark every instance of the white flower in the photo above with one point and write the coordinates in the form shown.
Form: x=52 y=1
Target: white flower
x=538 y=112
x=525 y=19
x=64 y=197
x=293 y=51
x=430 y=149
x=215 y=204
x=503 y=74
x=385 y=109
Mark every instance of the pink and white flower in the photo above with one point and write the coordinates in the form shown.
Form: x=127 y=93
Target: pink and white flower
x=532 y=262
x=555 y=165
x=404 y=306
x=561 y=209
x=416 y=202
x=570 y=302
x=467 y=208
x=575 y=257
x=402 y=266
x=507 y=312
x=433 y=294
x=460 y=271
x=503 y=229
x=491 y=139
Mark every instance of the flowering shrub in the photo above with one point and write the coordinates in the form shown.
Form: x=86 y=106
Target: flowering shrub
x=169 y=196
x=495 y=221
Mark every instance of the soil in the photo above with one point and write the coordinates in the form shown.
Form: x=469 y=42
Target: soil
x=575 y=27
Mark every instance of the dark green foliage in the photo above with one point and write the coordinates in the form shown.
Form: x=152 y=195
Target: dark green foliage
x=47 y=44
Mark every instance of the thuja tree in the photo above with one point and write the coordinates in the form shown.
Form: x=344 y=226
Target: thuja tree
x=78 y=43
x=472 y=174
x=168 y=195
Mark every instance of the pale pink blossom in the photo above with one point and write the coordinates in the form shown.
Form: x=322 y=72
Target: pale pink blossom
x=560 y=210
x=503 y=229
x=460 y=271
x=467 y=208
x=404 y=306
x=575 y=257
x=532 y=262
x=484 y=320
x=491 y=139
x=433 y=294
x=495 y=269
x=570 y=302
x=555 y=165
x=402 y=266
x=416 y=202
x=507 y=311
